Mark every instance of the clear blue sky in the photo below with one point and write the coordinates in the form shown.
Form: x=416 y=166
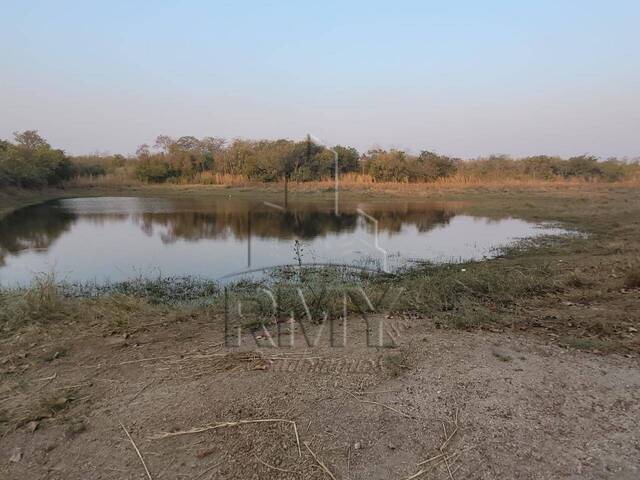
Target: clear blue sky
x=465 y=78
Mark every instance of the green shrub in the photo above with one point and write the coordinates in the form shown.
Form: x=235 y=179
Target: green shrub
x=154 y=171
x=32 y=163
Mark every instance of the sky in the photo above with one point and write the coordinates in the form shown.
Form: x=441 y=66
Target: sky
x=462 y=78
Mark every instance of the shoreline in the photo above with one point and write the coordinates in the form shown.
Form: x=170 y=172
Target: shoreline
x=562 y=269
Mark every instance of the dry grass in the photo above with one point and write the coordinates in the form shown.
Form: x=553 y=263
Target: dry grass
x=212 y=178
x=352 y=180
x=41 y=302
x=359 y=182
x=122 y=177
x=465 y=181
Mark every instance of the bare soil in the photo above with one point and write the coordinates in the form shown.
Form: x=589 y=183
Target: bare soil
x=485 y=405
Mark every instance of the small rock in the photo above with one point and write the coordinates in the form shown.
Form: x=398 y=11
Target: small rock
x=16 y=455
x=116 y=342
x=357 y=446
x=32 y=426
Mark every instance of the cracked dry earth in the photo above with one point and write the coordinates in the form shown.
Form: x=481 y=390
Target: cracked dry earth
x=438 y=405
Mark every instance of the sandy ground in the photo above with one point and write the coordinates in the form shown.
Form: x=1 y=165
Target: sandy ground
x=485 y=405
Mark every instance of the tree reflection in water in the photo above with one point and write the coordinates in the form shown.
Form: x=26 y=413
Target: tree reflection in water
x=103 y=226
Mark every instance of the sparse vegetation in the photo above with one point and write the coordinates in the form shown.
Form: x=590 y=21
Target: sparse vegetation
x=503 y=357
x=585 y=343
x=396 y=362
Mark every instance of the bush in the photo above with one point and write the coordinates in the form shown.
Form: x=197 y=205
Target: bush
x=31 y=162
x=91 y=170
x=153 y=170
x=430 y=166
x=584 y=166
x=391 y=166
x=542 y=167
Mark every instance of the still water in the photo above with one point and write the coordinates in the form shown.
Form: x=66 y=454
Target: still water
x=117 y=238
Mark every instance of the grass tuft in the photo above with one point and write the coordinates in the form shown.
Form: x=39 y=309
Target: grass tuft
x=578 y=280
x=41 y=302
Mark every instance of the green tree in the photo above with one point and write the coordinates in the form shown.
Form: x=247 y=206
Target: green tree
x=347 y=158
x=31 y=162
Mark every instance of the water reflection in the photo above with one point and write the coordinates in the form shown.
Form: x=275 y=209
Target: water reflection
x=32 y=228
x=118 y=237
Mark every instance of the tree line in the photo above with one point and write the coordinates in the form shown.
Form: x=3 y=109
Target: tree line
x=29 y=161
x=273 y=160
x=260 y=160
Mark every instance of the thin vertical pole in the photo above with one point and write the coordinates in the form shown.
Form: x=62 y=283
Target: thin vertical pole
x=249 y=240
x=286 y=190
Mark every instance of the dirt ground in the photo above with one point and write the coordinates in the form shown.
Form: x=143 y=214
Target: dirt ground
x=478 y=405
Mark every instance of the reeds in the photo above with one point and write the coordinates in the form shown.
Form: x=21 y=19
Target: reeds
x=124 y=176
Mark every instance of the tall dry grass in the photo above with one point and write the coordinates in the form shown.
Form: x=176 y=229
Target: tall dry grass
x=213 y=178
x=41 y=302
x=125 y=177
x=358 y=181
x=121 y=177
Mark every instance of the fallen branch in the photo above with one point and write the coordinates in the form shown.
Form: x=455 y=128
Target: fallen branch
x=449 y=437
x=47 y=379
x=137 y=451
x=406 y=415
x=207 y=470
x=417 y=474
x=319 y=462
x=448 y=468
x=431 y=459
x=442 y=456
x=273 y=467
x=232 y=424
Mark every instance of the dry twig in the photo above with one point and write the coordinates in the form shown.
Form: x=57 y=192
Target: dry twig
x=406 y=415
x=448 y=438
x=207 y=470
x=273 y=467
x=431 y=459
x=232 y=424
x=137 y=451
x=319 y=462
x=448 y=468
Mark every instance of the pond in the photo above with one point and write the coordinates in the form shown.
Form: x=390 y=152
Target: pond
x=117 y=238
